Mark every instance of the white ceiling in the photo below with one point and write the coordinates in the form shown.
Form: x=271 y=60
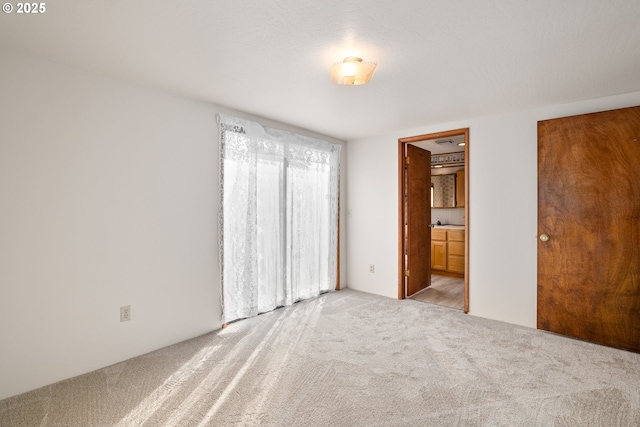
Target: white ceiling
x=438 y=60
x=447 y=144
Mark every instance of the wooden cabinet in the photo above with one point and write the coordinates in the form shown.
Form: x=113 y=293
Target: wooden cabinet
x=460 y=199
x=455 y=251
x=438 y=249
x=438 y=255
x=447 y=251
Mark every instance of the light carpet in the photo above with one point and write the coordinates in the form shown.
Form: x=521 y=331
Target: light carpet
x=352 y=359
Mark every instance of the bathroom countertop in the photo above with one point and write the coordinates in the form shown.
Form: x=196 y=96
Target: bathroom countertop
x=455 y=227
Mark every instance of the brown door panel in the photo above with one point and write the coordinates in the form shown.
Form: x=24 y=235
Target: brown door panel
x=589 y=207
x=418 y=219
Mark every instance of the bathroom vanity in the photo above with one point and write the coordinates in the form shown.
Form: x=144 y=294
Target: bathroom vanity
x=447 y=250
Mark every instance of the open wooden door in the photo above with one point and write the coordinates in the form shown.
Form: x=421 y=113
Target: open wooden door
x=418 y=219
x=589 y=227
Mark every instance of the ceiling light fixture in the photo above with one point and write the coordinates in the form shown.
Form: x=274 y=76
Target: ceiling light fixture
x=461 y=144
x=352 y=71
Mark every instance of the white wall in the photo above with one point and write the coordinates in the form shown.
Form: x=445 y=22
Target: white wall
x=447 y=216
x=109 y=197
x=502 y=208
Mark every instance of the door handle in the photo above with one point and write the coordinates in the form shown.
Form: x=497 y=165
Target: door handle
x=544 y=237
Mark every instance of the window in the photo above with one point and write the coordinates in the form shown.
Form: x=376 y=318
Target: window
x=279 y=219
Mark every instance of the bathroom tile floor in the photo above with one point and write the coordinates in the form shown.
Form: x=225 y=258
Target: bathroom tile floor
x=444 y=290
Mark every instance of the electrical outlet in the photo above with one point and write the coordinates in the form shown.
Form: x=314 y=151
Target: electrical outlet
x=125 y=313
x=372 y=268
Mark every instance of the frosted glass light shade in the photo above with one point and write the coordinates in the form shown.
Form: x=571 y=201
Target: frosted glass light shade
x=352 y=71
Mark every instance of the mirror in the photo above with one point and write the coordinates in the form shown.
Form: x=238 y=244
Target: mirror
x=443 y=191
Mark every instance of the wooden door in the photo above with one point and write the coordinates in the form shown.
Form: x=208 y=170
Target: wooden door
x=418 y=217
x=589 y=207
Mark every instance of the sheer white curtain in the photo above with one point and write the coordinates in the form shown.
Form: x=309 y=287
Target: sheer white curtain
x=279 y=218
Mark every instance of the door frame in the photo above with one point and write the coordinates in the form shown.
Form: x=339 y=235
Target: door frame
x=402 y=142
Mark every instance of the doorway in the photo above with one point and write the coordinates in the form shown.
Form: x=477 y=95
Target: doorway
x=404 y=218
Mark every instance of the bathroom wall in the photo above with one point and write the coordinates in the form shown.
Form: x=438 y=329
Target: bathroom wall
x=448 y=216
